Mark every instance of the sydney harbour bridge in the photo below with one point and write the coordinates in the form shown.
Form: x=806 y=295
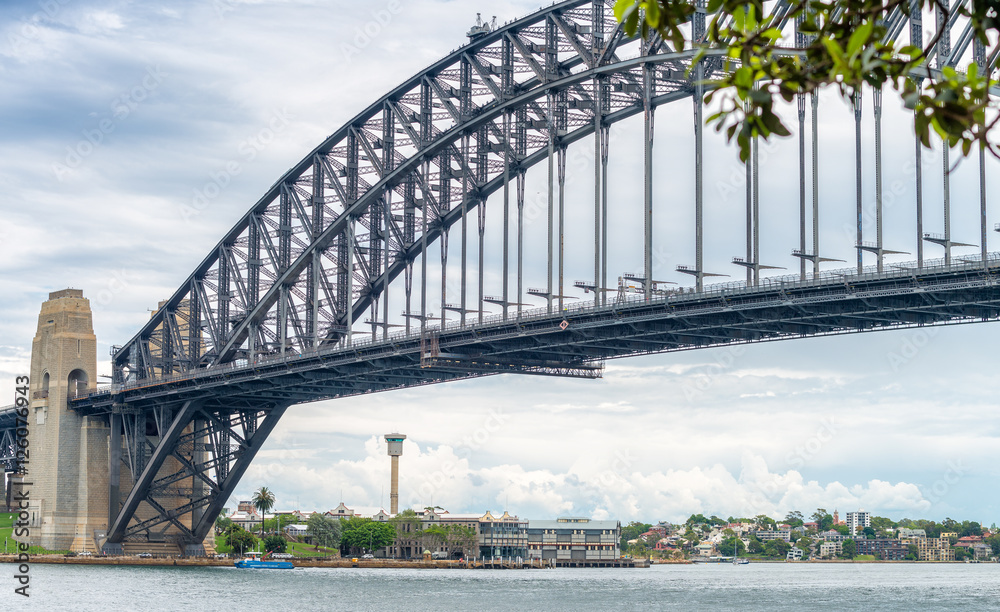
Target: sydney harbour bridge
x=368 y=266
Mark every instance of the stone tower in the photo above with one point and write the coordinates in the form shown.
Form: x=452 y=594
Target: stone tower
x=69 y=453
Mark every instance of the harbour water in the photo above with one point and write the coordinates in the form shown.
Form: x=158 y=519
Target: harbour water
x=770 y=587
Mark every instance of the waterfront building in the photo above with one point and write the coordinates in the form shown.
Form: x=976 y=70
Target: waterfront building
x=886 y=549
x=794 y=554
x=857 y=521
x=574 y=539
x=506 y=536
x=777 y=534
x=831 y=549
x=247 y=517
x=934 y=549
x=373 y=512
x=491 y=536
x=833 y=536
x=905 y=534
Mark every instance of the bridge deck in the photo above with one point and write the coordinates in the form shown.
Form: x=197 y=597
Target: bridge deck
x=536 y=343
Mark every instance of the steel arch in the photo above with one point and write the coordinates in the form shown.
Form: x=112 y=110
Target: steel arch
x=327 y=239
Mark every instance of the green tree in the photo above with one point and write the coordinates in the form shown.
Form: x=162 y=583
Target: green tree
x=912 y=552
x=847 y=47
x=632 y=531
x=882 y=524
x=263 y=501
x=434 y=536
x=464 y=539
x=732 y=546
x=850 y=549
x=970 y=528
x=278 y=523
x=776 y=548
x=406 y=524
x=365 y=534
x=756 y=546
x=240 y=540
x=764 y=522
x=869 y=533
x=794 y=518
x=222 y=524
x=325 y=531
x=994 y=542
x=274 y=543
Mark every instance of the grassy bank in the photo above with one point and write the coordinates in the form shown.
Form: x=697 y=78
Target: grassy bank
x=7 y=537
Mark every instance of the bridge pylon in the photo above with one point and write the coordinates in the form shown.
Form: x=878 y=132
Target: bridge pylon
x=67 y=468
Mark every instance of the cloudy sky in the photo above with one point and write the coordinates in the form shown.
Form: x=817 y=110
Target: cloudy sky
x=114 y=115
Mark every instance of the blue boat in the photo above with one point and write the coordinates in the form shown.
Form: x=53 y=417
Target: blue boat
x=254 y=561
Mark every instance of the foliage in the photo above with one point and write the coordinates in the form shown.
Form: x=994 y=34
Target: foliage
x=240 y=540
x=406 y=523
x=274 y=543
x=776 y=548
x=222 y=524
x=263 y=501
x=278 y=523
x=633 y=530
x=325 y=531
x=881 y=524
x=844 y=46
x=764 y=522
x=794 y=519
x=994 y=542
x=730 y=547
x=869 y=533
x=850 y=549
x=365 y=534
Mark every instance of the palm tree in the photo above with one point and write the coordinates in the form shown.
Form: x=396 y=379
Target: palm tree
x=263 y=501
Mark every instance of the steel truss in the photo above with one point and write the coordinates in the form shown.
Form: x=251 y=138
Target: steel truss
x=292 y=305
x=188 y=458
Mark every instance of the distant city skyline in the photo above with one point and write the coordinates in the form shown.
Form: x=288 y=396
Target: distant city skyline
x=137 y=135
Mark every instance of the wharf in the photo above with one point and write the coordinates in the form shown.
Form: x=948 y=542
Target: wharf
x=329 y=562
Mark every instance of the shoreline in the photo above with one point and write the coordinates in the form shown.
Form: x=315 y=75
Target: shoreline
x=383 y=563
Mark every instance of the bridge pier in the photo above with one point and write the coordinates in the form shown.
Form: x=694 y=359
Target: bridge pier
x=69 y=457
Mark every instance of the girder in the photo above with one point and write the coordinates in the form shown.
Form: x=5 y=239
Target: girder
x=268 y=318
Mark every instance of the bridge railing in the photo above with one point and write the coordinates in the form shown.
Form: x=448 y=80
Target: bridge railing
x=972 y=263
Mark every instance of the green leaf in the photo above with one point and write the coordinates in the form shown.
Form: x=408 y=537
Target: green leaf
x=860 y=37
